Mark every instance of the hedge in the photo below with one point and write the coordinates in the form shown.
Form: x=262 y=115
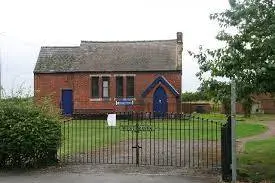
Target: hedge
x=29 y=135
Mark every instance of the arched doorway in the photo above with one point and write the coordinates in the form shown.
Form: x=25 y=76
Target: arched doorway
x=160 y=104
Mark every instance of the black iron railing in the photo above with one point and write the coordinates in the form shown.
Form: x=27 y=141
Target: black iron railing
x=142 y=139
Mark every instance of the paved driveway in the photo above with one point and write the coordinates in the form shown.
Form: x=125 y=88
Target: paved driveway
x=103 y=174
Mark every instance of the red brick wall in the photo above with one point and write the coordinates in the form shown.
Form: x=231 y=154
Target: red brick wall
x=266 y=102
x=51 y=85
x=268 y=106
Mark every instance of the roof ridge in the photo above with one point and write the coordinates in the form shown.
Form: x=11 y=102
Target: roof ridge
x=129 y=41
x=60 y=46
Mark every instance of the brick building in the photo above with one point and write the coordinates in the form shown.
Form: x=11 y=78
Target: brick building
x=143 y=76
x=263 y=103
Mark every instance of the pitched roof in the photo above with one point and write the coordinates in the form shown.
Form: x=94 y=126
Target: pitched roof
x=158 y=55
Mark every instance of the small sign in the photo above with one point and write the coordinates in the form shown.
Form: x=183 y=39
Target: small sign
x=125 y=102
x=137 y=128
x=111 y=120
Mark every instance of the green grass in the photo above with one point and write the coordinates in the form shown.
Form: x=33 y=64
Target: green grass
x=212 y=116
x=80 y=136
x=259 y=118
x=254 y=118
x=249 y=129
x=88 y=135
x=257 y=162
x=245 y=126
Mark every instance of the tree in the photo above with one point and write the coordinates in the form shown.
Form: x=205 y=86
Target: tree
x=218 y=91
x=248 y=54
x=194 y=96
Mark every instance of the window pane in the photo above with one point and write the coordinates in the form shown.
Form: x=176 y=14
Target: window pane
x=105 y=92
x=95 y=88
x=130 y=86
x=105 y=87
x=105 y=84
x=119 y=86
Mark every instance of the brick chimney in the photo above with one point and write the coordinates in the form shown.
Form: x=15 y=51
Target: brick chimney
x=179 y=37
x=179 y=50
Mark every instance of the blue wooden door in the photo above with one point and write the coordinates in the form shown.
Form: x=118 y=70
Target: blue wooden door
x=160 y=104
x=67 y=101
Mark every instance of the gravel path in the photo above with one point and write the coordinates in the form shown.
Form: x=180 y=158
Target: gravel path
x=177 y=153
x=107 y=174
x=269 y=133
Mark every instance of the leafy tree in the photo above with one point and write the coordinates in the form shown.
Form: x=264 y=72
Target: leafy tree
x=194 y=96
x=248 y=54
x=220 y=91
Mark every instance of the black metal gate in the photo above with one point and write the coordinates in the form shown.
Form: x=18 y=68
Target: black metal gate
x=142 y=139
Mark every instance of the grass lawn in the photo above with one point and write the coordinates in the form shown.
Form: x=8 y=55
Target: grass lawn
x=249 y=129
x=258 y=162
x=245 y=126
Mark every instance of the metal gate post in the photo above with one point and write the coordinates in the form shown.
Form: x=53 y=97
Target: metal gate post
x=137 y=147
x=226 y=146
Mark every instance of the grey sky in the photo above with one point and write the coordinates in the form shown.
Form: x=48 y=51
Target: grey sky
x=27 y=25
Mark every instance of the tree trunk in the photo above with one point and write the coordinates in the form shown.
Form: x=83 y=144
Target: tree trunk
x=247 y=103
x=226 y=107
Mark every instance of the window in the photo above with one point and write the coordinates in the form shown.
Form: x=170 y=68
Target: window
x=130 y=86
x=95 y=87
x=105 y=87
x=119 y=86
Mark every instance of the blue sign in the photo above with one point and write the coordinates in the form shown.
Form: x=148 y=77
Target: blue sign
x=125 y=102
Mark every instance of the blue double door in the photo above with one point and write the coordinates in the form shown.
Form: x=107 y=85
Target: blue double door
x=67 y=102
x=160 y=104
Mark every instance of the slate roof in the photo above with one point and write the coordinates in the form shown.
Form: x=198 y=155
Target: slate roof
x=158 y=55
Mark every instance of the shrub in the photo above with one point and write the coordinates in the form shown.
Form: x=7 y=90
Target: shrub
x=29 y=135
x=194 y=96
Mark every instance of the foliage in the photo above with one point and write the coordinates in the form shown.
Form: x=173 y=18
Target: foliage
x=29 y=135
x=247 y=103
x=194 y=96
x=257 y=163
x=248 y=54
x=220 y=91
x=217 y=91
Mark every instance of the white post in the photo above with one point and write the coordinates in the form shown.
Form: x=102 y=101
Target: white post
x=1 y=33
x=233 y=131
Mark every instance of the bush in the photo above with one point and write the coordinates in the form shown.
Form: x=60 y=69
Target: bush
x=194 y=96
x=29 y=135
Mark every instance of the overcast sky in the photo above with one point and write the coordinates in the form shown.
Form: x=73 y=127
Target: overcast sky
x=27 y=25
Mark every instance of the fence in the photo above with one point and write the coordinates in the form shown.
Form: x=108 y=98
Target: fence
x=142 y=139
